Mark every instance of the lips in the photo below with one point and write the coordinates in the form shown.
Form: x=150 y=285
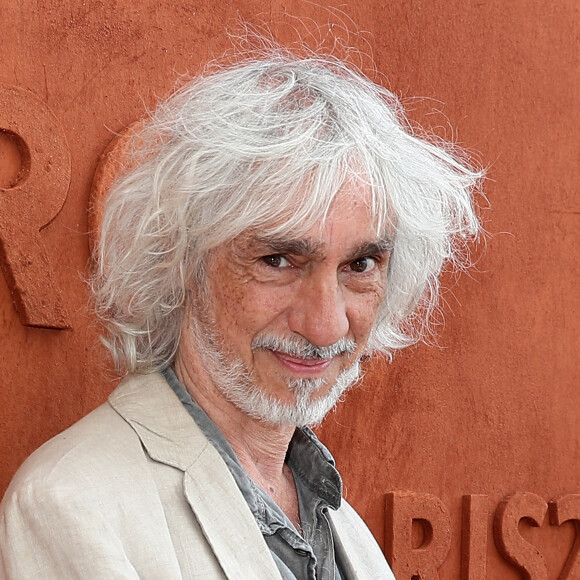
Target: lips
x=300 y=365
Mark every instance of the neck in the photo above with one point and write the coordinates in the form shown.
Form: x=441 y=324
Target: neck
x=260 y=447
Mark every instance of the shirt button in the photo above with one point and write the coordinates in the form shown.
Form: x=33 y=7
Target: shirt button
x=301 y=552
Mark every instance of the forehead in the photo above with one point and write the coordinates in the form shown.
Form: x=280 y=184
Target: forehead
x=347 y=229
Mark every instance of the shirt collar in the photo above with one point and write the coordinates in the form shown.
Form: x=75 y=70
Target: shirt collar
x=310 y=461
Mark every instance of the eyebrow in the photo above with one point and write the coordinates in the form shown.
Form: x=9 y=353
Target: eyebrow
x=308 y=248
x=304 y=247
x=382 y=246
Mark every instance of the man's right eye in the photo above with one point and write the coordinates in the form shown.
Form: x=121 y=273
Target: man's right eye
x=276 y=261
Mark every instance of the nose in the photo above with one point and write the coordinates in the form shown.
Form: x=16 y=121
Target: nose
x=319 y=311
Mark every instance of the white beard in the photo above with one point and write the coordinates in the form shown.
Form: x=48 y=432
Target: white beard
x=235 y=382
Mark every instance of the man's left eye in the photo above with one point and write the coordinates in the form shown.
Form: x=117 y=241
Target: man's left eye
x=363 y=265
x=276 y=261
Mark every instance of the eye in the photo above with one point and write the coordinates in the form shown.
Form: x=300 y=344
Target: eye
x=276 y=261
x=363 y=265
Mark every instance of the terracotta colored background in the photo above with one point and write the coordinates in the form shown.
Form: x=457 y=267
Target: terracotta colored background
x=492 y=410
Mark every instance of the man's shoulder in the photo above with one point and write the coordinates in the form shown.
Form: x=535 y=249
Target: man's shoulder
x=87 y=505
x=101 y=447
x=114 y=444
x=100 y=444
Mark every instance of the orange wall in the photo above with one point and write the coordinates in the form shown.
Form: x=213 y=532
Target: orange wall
x=495 y=408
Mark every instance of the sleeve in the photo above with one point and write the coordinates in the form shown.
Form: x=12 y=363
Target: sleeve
x=48 y=533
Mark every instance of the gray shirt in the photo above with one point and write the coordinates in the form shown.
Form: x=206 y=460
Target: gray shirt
x=305 y=556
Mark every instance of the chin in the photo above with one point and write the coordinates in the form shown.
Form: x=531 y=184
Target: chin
x=306 y=409
x=238 y=386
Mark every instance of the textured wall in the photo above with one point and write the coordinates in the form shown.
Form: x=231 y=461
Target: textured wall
x=491 y=411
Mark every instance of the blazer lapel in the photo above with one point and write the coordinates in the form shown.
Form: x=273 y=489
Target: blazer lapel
x=226 y=519
x=171 y=436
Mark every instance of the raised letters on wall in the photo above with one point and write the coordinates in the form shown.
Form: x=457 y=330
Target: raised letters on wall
x=31 y=203
x=418 y=534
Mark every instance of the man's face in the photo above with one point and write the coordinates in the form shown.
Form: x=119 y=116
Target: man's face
x=294 y=314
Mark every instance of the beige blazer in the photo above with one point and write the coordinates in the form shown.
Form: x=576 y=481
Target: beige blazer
x=135 y=490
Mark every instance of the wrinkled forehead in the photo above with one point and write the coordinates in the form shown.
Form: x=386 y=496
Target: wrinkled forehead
x=348 y=227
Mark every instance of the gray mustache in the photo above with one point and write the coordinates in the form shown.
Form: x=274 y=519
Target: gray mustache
x=300 y=347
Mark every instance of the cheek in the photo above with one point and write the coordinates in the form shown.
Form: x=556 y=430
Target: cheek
x=245 y=309
x=364 y=314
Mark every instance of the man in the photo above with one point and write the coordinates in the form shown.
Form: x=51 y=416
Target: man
x=279 y=222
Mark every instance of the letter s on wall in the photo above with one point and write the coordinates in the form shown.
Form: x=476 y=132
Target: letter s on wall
x=523 y=555
x=30 y=204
